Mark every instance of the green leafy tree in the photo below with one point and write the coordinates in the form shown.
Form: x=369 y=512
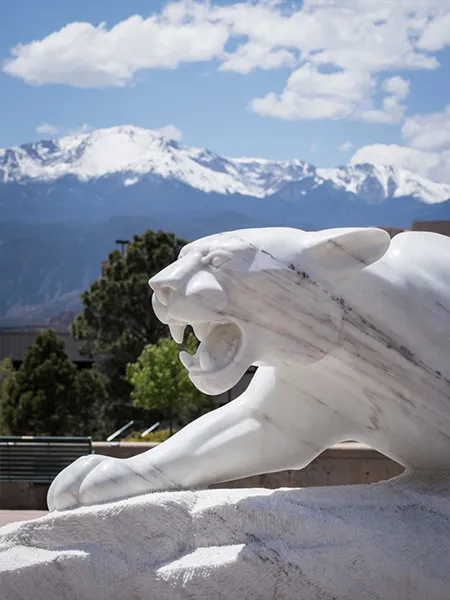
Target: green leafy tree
x=47 y=395
x=161 y=383
x=118 y=321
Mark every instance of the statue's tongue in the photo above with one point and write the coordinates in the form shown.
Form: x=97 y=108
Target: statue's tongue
x=219 y=348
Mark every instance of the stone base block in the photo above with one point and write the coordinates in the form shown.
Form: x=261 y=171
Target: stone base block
x=388 y=541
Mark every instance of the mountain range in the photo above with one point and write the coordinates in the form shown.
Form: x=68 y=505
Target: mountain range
x=63 y=202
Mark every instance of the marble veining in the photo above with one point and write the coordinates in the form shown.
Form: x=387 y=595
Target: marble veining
x=350 y=333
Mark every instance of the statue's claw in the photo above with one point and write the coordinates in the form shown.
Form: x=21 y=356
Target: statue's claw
x=64 y=491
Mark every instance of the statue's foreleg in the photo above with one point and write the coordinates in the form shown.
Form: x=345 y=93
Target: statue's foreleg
x=268 y=428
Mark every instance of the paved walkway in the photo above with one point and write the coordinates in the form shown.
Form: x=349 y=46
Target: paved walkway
x=11 y=516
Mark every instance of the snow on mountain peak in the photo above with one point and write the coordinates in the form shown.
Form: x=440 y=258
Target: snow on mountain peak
x=375 y=183
x=134 y=152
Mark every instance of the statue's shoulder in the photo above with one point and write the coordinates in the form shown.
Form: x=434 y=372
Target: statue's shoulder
x=422 y=257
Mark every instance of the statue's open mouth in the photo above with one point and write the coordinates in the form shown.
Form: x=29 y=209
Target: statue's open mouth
x=220 y=347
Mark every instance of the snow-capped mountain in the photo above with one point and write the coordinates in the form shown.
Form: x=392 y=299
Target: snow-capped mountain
x=134 y=153
x=376 y=183
x=64 y=201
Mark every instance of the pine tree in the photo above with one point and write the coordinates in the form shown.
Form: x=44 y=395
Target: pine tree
x=7 y=374
x=118 y=321
x=47 y=395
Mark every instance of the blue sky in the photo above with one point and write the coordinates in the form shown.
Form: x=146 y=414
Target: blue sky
x=326 y=81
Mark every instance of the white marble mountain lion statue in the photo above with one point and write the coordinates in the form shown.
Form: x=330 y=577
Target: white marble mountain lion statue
x=351 y=334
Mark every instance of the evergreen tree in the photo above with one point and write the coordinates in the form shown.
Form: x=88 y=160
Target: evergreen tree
x=89 y=405
x=7 y=373
x=47 y=395
x=118 y=321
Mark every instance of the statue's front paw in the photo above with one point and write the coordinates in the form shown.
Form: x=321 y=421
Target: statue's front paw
x=64 y=490
x=112 y=479
x=96 y=479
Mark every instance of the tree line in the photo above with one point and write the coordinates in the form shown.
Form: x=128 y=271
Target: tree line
x=135 y=374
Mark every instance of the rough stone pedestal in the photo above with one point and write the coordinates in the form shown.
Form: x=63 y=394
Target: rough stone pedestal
x=387 y=541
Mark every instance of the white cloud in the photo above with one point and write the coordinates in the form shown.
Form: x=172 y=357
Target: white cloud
x=350 y=34
x=47 y=129
x=397 y=86
x=397 y=156
x=309 y=94
x=170 y=132
x=255 y=54
x=339 y=47
x=314 y=147
x=85 y=128
x=346 y=146
x=434 y=165
x=427 y=151
x=83 y=55
x=339 y=51
x=429 y=131
x=392 y=110
x=436 y=33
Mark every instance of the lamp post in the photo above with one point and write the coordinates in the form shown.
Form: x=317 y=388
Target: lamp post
x=123 y=244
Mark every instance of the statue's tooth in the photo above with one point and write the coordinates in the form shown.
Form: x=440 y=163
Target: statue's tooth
x=186 y=359
x=204 y=361
x=177 y=332
x=200 y=330
x=159 y=309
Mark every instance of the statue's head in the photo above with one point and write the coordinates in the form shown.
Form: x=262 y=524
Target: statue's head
x=261 y=296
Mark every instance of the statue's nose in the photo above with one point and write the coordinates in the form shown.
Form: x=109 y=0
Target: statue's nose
x=163 y=293
x=166 y=282
x=200 y=287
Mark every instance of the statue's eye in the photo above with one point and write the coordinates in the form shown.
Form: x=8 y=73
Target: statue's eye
x=216 y=259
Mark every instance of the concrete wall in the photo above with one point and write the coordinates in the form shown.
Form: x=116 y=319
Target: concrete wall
x=343 y=464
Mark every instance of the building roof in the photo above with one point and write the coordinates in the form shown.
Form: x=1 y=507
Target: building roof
x=14 y=341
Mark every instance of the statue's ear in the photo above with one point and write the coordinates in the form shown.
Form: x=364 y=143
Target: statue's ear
x=343 y=253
